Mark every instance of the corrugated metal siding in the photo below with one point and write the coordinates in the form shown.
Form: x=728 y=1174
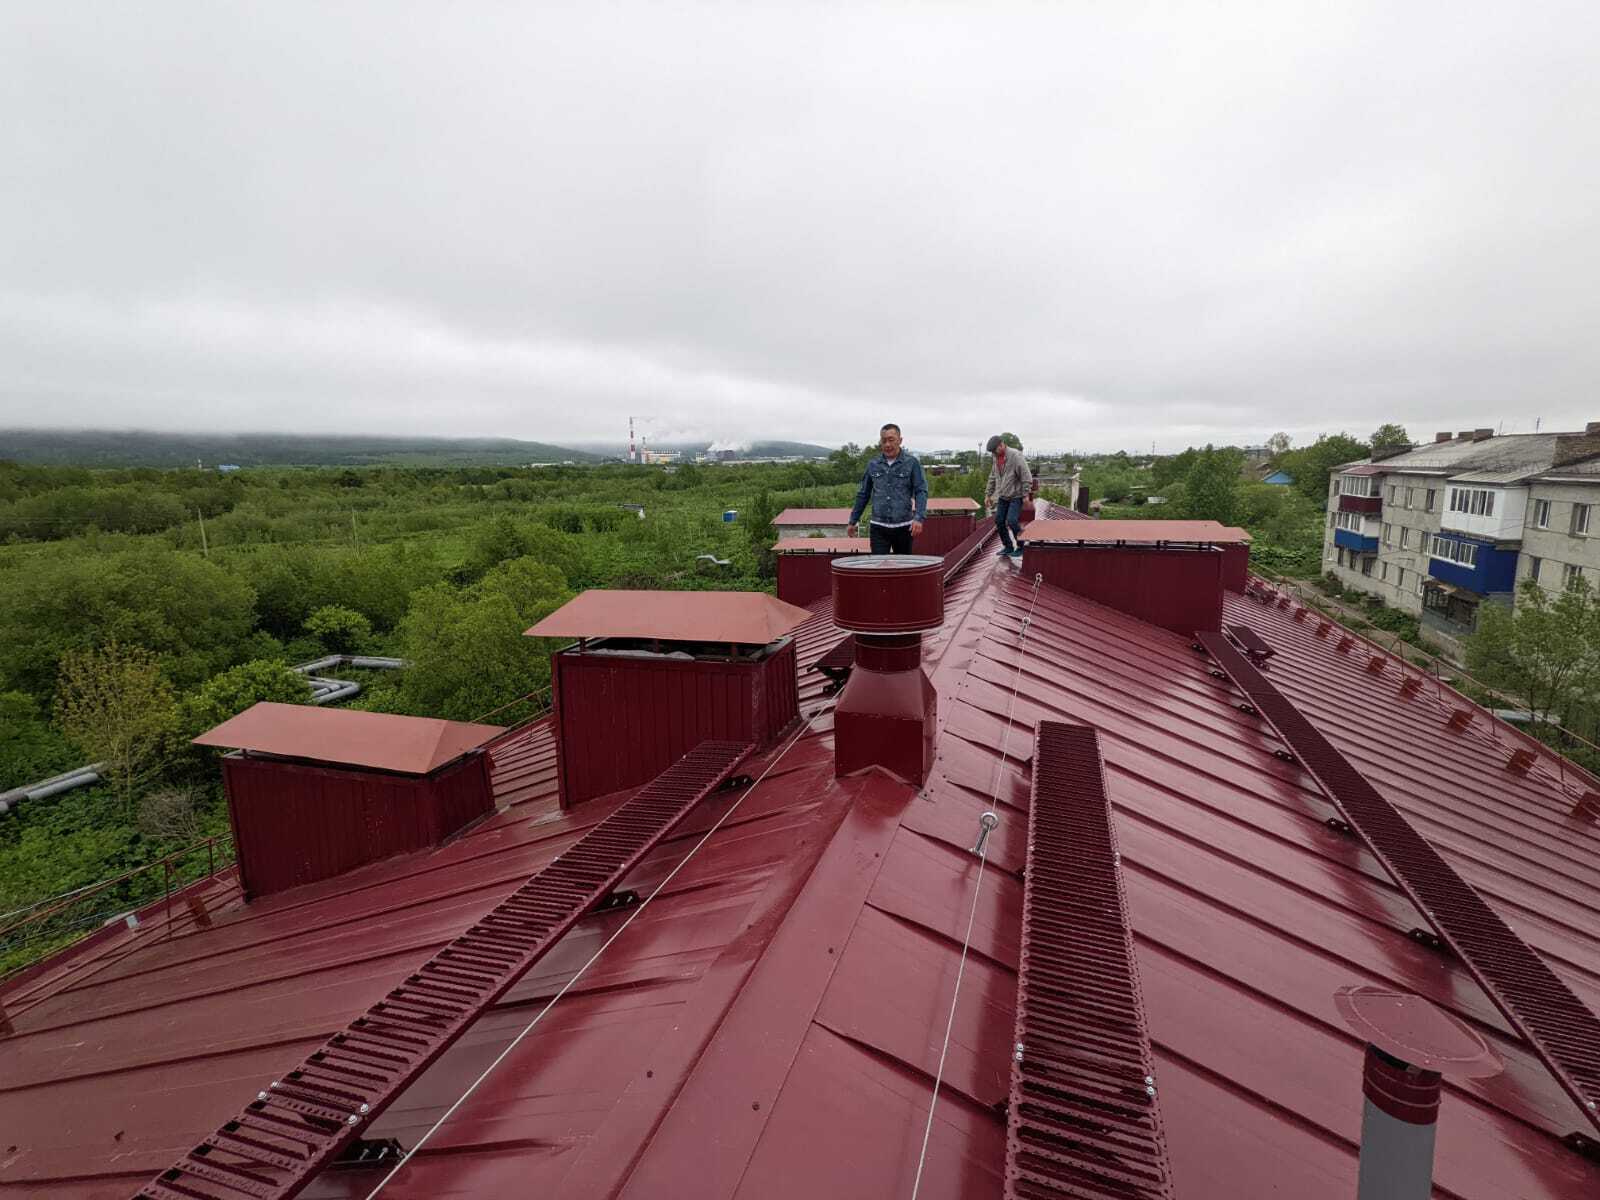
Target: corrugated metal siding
x=803 y=578
x=1179 y=590
x=296 y=823
x=624 y=720
x=943 y=531
x=1236 y=566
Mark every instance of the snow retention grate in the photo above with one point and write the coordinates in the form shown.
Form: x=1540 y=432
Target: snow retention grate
x=1559 y=1026
x=276 y=1146
x=1083 y=1119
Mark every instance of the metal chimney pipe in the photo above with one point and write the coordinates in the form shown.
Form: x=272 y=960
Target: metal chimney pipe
x=887 y=714
x=1411 y=1046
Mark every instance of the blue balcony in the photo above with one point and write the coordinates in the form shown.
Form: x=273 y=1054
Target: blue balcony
x=1494 y=570
x=1351 y=540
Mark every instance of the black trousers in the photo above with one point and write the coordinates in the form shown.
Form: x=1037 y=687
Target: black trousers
x=890 y=541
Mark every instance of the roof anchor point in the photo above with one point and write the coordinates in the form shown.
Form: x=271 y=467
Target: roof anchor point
x=985 y=823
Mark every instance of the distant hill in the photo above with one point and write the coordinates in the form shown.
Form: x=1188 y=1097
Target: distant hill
x=744 y=450
x=135 y=448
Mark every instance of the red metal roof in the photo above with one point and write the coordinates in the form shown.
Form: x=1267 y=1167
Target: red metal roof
x=1056 y=530
x=750 y=618
x=385 y=741
x=800 y=545
x=841 y=516
x=813 y=516
x=770 y=1025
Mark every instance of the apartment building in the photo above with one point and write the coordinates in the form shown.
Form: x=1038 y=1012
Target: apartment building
x=1439 y=530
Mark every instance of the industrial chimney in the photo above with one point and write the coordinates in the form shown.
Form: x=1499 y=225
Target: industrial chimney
x=887 y=715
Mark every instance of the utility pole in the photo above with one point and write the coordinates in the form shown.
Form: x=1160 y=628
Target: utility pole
x=204 y=549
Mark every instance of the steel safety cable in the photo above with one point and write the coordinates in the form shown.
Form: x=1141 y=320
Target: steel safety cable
x=593 y=958
x=972 y=915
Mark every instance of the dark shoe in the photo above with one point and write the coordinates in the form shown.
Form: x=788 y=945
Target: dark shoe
x=1002 y=553
x=1013 y=553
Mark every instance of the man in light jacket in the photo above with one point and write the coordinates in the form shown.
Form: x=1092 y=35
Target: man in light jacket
x=1009 y=481
x=899 y=493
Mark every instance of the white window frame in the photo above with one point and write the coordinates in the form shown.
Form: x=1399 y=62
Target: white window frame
x=1582 y=520
x=1541 y=514
x=1405 y=537
x=1535 y=565
x=1388 y=535
x=1570 y=573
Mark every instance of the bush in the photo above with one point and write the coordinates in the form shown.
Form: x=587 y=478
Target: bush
x=230 y=693
x=340 y=630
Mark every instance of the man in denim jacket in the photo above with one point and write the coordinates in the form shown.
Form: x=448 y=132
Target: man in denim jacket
x=899 y=493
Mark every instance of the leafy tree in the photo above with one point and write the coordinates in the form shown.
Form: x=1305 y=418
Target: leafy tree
x=466 y=645
x=1546 y=650
x=1311 y=465
x=341 y=630
x=1277 y=444
x=1390 y=435
x=30 y=748
x=190 y=612
x=234 y=690
x=1211 y=488
x=118 y=707
x=757 y=519
x=1011 y=440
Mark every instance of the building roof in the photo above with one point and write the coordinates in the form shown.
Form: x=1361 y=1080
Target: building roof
x=841 y=516
x=383 y=741
x=823 y=545
x=771 y=1024
x=813 y=516
x=749 y=618
x=1151 y=532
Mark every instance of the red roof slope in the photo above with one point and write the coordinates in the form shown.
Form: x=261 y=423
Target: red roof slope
x=770 y=1025
x=385 y=741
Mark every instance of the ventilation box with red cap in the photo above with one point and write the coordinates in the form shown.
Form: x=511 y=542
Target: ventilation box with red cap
x=1170 y=573
x=805 y=565
x=654 y=674
x=314 y=792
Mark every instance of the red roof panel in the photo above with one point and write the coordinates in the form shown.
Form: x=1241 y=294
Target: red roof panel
x=813 y=516
x=385 y=741
x=788 y=990
x=1068 y=530
x=801 y=545
x=749 y=618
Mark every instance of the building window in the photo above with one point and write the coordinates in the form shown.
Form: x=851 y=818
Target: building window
x=1580 y=519
x=1350 y=521
x=1405 y=538
x=1409 y=493
x=1384 y=574
x=1419 y=584
x=1392 y=490
x=1422 y=543
x=1335 y=485
x=1473 y=502
x=1541 y=514
x=1366 y=565
x=1401 y=582
x=1341 y=556
x=1570 y=574
x=1465 y=553
x=1430 y=499
x=1388 y=535
x=1534 y=567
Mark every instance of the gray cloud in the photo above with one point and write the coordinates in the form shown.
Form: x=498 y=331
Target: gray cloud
x=1100 y=226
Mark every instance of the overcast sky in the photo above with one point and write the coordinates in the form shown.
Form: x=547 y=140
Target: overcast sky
x=1099 y=225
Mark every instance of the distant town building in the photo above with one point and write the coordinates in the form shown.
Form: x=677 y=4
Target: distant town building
x=1442 y=529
